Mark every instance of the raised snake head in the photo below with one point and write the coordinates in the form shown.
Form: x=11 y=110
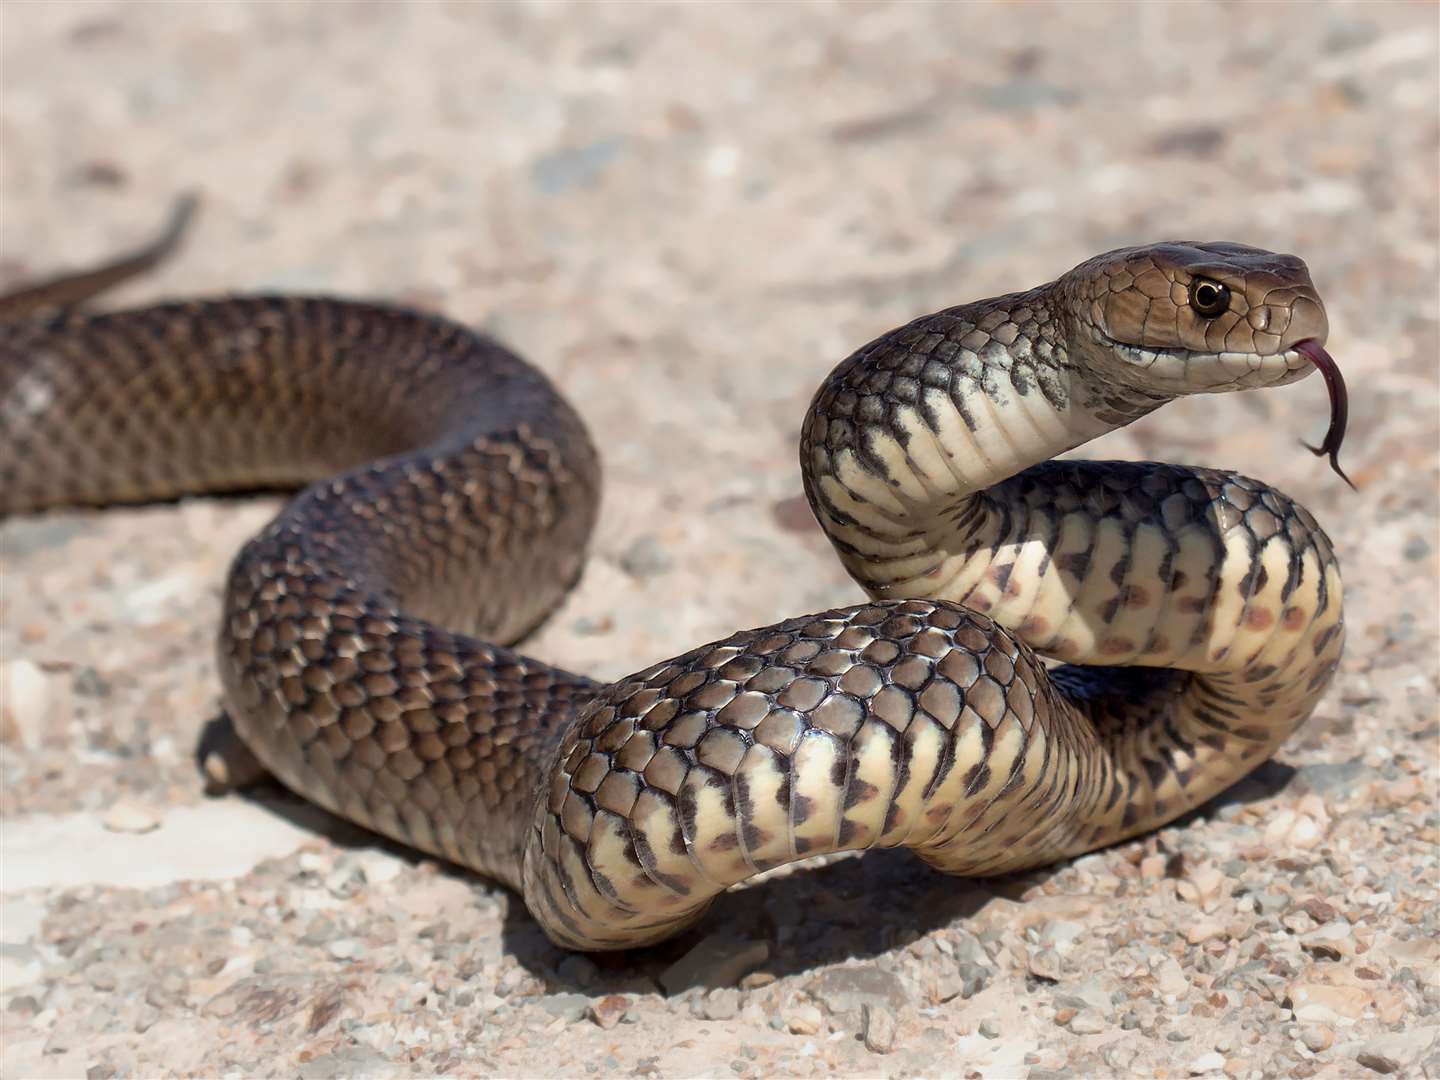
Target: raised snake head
x=1182 y=317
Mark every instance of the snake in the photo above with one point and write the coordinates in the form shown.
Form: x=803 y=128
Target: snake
x=1053 y=656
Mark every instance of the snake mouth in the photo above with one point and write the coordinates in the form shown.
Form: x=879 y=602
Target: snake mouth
x=1189 y=371
x=1185 y=371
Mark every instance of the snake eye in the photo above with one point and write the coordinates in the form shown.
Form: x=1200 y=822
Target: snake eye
x=1209 y=298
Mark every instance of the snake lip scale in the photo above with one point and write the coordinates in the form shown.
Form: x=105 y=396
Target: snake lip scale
x=446 y=494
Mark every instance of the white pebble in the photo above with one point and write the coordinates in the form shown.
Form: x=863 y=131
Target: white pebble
x=1207 y=1063
x=804 y=1019
x=131 y=816
x=32 y=702
x=345 y=948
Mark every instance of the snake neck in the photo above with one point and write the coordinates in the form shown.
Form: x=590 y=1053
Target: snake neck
x=904 y=436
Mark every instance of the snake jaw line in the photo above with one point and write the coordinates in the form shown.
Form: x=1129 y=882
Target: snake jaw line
x=1177 y=371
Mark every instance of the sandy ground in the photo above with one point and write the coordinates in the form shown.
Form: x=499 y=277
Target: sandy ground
x=687 y=215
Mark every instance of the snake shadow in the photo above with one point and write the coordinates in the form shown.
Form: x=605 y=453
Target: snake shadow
x=810 y=915
x=855 y=906
x=813 y=914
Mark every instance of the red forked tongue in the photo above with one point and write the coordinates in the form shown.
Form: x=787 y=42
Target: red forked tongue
x=1339 y=405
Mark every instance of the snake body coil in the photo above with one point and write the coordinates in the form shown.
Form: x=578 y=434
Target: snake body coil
x=451 y=492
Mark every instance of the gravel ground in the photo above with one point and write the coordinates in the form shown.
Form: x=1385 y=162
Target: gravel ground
x=687 y=215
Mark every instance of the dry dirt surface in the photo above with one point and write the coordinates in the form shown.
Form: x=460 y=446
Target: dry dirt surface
x=687 y=214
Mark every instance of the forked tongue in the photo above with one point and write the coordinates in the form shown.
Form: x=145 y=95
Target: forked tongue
x=1339 y=405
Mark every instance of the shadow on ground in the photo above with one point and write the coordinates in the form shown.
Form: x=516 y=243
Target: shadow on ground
x=853 y=907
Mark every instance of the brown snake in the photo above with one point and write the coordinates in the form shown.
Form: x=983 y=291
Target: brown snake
x=451 y=492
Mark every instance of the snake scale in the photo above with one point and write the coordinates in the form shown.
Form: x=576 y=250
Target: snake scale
x=448 y=491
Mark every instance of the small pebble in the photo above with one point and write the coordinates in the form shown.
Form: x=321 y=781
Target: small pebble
x=878 y=1029
x=1170 y=978
x=1399 y=1050
x=1206 y=1063
x=721 y=1004
x=948 y=986
x=1323 y=1003
x=167 y=990
x=511 y=979
x=1268 y=903
x=102 y=976
x=1152 y=867
x=33 y=703
x=609 y=1010
x=345 y=881
x=314 y=862
x=1332 y=941
x=1061 y=934
x=1316 y=1037
x=345 y=948
x=1317 y=909
x=1298 y=828
x=1204 y=930
x=1045 y=964
x=1087 y=995
x=973 y=978
x=803 y=1019
x=844 y=991
x=1208 y=882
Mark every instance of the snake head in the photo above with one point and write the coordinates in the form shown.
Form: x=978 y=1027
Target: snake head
x=1184 y=318
x=1191 y=318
